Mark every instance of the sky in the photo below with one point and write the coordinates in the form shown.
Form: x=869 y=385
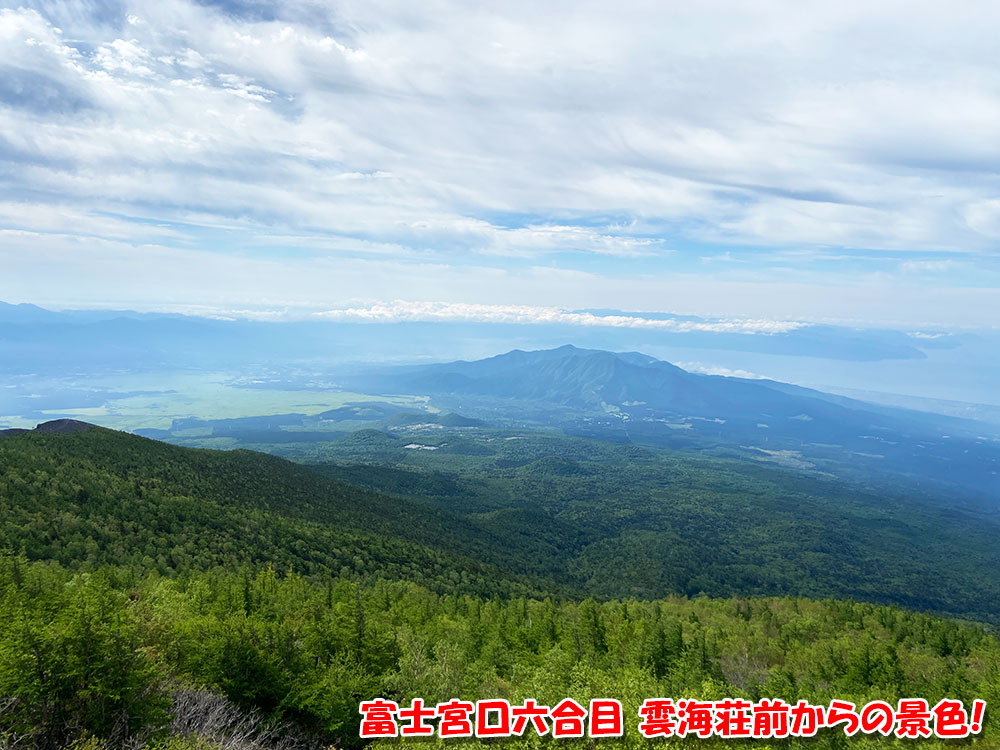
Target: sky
x=777 y=161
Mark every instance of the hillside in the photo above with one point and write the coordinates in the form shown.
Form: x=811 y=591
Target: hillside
x=486 y=512
x=86 y=497
x=182 y=596
x=626 y=520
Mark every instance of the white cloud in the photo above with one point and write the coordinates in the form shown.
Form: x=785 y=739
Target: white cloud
x=401 y=310
x=71 y=220
x=123 y=56
x=984 y=217
x=87 y=271
x=708 y=369
x=495 y=136
x=929 y=266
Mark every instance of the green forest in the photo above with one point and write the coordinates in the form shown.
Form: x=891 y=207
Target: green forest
x=165 y=597
x=112 y=656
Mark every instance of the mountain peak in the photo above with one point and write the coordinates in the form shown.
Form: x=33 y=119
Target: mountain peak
x=53 y=427
x=64 y=426
x=25 y=312
x=566 y=375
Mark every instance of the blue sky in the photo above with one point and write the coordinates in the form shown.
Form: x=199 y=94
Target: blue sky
x=771 y=161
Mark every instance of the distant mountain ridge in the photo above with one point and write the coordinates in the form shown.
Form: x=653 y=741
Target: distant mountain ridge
x=591 y=378
x=635 y=397
x=24 y=327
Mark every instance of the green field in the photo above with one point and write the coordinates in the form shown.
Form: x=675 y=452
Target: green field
x=164 y=397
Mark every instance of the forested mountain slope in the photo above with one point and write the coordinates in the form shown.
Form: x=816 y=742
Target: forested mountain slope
x=97 y=496
x=542 y=514
x=296 y=596
x=628 y=520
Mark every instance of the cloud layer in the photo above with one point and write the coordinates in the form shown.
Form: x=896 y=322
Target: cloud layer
x=401 y=310
x=764 y=143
